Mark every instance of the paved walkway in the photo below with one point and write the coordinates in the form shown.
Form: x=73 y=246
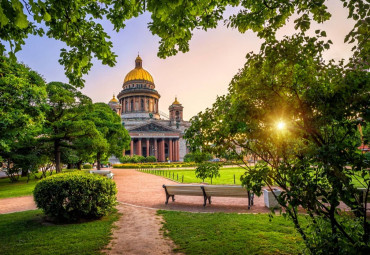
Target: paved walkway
x=142 y=189
x=16 y=204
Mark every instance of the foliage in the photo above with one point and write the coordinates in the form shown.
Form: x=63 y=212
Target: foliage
x=231 y=233
x=28 y=233
x=74 y=196
x=114 y=137
x=151 y=159
x=154 y=165
x=77 y=24
x=66 y=122
x=207 y=170
x=22 y=101
x=315 y=159
x=137 y=159
x=87 y=166
x=197 y=156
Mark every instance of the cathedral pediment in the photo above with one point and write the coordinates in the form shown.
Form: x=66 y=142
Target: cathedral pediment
x=152 y=127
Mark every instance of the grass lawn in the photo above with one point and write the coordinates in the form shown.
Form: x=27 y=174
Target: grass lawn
x=26 y=233
x=21 y=187
x=16 y=189
x=230 y=233
x=226 y=176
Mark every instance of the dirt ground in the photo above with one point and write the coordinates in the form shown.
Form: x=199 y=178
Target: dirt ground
x=16 y=204
x=139 y=232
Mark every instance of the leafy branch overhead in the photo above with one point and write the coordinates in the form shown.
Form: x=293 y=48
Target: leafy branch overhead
x=77 y=24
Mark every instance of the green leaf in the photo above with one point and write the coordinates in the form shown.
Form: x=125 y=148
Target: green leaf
x=47 y=16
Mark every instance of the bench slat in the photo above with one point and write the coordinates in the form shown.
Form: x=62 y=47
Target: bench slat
x=188 y=190
x=225 y=191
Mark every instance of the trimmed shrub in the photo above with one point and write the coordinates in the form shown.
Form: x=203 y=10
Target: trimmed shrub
x=87 y=166
x=74 y=196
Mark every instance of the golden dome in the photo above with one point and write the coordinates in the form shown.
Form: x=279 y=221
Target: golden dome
x=114 y=99
x=176 y=102
x=139 y=73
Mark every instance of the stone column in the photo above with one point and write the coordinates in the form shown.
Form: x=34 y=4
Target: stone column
x=156 y=148
x=177 y=149
x=132 y=148
x=170 y=149
x=139 y=147
x=147 y=147
x=163 y=155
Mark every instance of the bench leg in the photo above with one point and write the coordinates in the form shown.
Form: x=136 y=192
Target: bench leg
x=173 y=198
x=167 y=197
x=205 y=201
x=209 y=200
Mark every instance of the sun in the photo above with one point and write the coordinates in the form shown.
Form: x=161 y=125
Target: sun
x=280 y=125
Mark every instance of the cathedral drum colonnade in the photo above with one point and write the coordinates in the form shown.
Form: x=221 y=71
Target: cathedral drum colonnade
x=152 y=133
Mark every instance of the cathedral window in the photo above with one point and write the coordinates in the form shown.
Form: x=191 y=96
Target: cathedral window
x=142 y=104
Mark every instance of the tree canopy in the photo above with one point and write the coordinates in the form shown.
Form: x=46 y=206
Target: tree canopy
x=77 y=24
x=315 y=159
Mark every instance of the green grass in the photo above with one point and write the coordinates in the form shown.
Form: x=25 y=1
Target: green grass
x=226 y=176
x=21 y=187
x=27 y=233
x=230 y=233
x=16 y=189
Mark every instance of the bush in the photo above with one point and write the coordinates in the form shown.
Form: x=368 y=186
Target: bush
x=151 y=159
x=87 y=166
x=74 y=196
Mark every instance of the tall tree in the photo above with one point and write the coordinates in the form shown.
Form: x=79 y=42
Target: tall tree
x=108 y=123
x=77 y=23
x=22 y=104
x=315 y=159
x=65 y=120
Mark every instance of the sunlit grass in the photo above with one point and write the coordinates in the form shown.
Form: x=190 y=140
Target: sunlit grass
x=28 y=233
x=230 y=233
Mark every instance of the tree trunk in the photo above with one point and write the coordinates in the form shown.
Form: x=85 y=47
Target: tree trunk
x=69 y=166
x=24 y=173
x=98 y=161
x=79 y=164
x=57 y=156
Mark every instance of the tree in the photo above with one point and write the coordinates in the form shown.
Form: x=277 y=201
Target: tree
x=22 y=103
x=315 y=159
x=108 y=123
x=77 y=24
x=65 y=121
x=207 y=170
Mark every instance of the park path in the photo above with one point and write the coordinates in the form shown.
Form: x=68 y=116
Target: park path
x=142 y=189
x=16 y=204
x=139 y=232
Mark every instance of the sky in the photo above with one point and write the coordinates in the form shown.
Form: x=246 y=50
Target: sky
x=196 y=77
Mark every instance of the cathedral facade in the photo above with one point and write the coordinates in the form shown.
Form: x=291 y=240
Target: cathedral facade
x=152 y=133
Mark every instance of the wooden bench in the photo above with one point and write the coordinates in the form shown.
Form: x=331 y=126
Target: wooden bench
x=208 y=191
x=106 y=173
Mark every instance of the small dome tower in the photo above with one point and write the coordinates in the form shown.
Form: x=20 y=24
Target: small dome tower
x=176 y=110
x=114 y=105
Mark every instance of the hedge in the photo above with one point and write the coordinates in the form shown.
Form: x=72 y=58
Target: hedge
x=76 y=195
x=87 y=166
x=155 y=165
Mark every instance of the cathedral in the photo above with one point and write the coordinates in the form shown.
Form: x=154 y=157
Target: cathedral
x=152 y=132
